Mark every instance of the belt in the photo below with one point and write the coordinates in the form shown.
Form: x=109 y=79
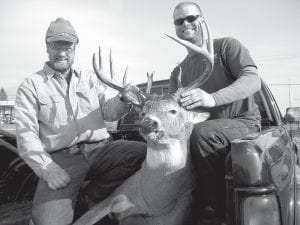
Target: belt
x=78 y=148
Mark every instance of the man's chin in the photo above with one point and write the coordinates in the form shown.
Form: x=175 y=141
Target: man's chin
x=61 y=67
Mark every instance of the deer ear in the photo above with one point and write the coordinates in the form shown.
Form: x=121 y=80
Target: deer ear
x=197 y=117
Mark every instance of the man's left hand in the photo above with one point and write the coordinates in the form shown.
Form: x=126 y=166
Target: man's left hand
x=195 y=98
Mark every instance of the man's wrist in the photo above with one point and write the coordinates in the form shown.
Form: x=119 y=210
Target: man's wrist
x=215 y=99
x=127 y=104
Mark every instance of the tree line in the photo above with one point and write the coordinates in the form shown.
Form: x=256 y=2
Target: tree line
x=3 y=95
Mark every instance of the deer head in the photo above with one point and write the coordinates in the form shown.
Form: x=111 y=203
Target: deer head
x=163 y=120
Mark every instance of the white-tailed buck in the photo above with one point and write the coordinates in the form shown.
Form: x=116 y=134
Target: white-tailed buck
x=160 y=192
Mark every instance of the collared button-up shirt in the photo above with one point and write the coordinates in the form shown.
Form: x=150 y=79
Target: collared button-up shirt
x=52 y=115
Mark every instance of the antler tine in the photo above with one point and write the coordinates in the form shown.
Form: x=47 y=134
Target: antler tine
x=210 y=45
x=179 y=84
x=100 y=58
x=149 y=82
x=193 y=47
x=125 y=76
x=111 y=68
x=202 y=34
x=101 y=76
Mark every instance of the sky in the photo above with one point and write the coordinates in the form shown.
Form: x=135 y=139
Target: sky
x=135 y=31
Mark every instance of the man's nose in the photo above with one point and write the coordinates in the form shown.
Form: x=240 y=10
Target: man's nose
x=61 y=53
x=185 y=22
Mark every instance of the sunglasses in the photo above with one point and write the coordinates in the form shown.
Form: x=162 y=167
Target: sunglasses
x=189 y=19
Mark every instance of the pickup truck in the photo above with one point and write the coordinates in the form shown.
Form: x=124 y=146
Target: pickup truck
x=262 y=170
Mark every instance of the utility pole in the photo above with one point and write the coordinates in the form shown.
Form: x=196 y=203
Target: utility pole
x=290 y=105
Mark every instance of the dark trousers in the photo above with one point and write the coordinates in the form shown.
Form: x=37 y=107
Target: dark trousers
x=210 y=143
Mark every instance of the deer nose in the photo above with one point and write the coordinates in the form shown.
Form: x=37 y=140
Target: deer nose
x=150 y=123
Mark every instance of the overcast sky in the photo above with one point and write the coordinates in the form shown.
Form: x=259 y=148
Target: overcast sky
x=135 y=29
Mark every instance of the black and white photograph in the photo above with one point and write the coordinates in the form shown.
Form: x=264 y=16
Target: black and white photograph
x=136 y=112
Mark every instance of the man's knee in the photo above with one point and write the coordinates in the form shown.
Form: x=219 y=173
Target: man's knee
x=122 y=160
x=56 y=212
x=199 y=133
x=128 y=158
x=203 y=139
x=132 y=152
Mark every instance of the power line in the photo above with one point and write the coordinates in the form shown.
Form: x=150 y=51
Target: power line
x=277 y=57
x=284 y=84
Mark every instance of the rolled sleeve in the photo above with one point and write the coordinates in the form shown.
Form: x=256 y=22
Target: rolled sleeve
x=173 y=86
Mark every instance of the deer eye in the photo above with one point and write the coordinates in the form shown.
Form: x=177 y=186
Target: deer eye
x=173 y=111
x=142 y=114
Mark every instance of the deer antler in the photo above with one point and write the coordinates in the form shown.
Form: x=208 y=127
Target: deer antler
x=179 y=84
x=112 y=73
x=206 y=49
x=149 y=82
x=136 y=96
x=100 y=74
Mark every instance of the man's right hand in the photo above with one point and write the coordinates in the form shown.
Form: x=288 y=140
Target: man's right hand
x=55 y=176
x=197 y=98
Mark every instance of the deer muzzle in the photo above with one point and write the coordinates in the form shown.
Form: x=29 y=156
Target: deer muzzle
x=149 y=125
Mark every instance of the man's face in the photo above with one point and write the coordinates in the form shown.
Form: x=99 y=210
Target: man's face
x=61 y=55
x=189 y=30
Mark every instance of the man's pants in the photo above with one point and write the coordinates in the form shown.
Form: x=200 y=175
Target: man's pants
x=107 y=167
x=210 y=143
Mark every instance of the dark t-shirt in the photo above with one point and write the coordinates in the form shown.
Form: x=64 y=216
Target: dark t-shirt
x=230 y=59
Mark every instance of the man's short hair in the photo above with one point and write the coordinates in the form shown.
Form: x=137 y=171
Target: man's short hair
x=189 y=3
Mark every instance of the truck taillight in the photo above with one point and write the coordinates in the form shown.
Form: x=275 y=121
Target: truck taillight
x=256 y=206
x=260 y=210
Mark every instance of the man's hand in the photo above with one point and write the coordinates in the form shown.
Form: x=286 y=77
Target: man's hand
x=195 y=98
x=55 y=176
x=132 y=94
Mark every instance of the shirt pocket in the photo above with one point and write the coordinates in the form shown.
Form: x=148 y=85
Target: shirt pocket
x=52 y=109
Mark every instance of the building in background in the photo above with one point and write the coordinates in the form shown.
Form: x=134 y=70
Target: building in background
x=7 y=115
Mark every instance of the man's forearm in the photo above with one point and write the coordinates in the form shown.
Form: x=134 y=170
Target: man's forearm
x=246 y=85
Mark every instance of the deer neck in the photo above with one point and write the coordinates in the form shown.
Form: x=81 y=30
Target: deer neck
x=168 y=158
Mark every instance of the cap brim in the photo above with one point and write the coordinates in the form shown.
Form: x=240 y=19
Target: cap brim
x=63 y=37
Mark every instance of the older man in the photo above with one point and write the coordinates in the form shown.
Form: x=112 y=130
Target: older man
x=61 y=134
x=227 y=95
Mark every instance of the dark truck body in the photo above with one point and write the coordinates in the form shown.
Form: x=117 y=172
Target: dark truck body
x=262 y=171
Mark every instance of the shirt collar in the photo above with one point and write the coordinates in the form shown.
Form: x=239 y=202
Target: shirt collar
x=49 y=72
